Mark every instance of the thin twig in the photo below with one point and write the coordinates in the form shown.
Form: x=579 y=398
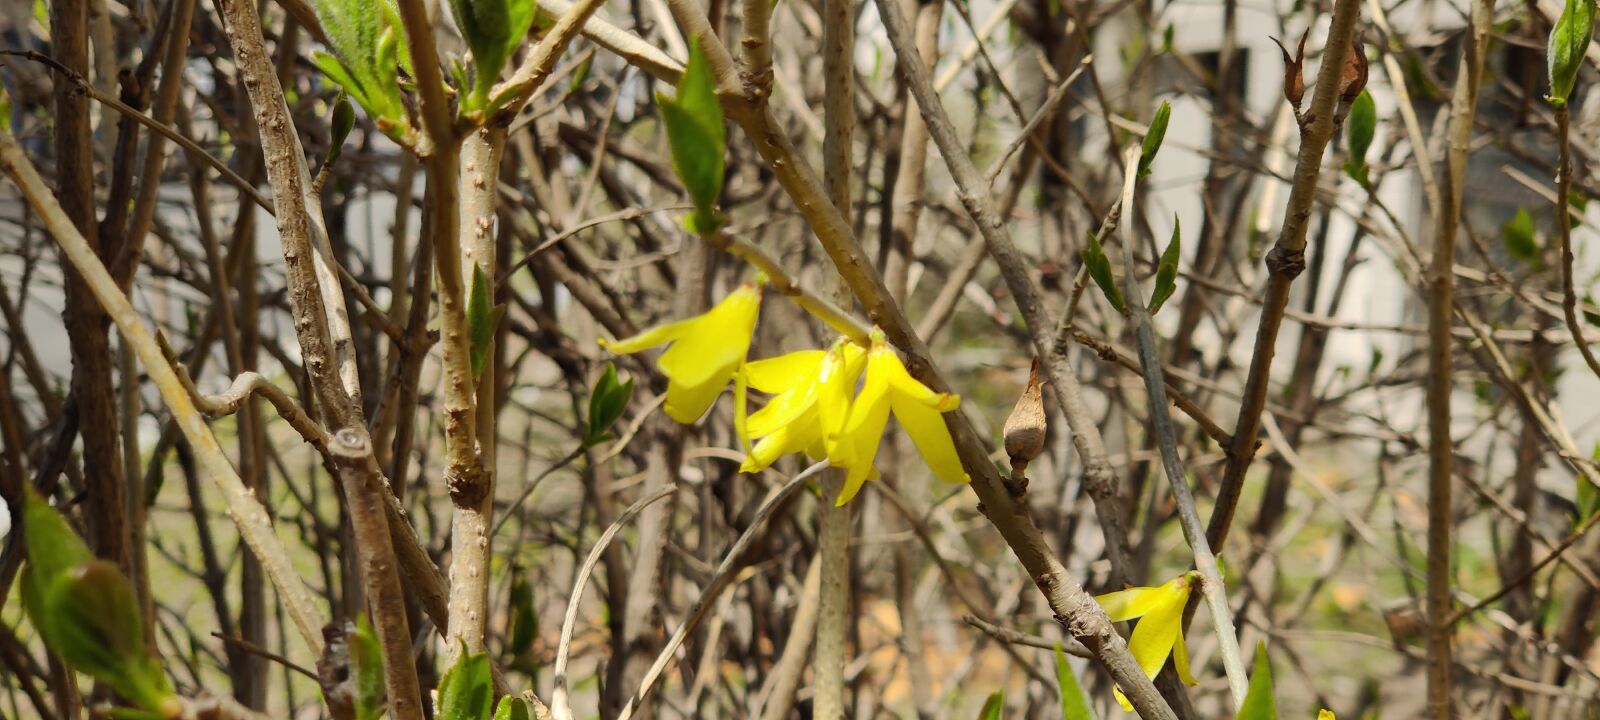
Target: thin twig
x=560 y=706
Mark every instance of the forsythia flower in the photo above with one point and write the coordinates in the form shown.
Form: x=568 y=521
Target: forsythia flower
x=889 y=387
x=1160 y=629
x=811 y=390
x=706 y=351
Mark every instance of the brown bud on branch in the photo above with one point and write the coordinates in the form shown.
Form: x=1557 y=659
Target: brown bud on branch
x=1025 y=428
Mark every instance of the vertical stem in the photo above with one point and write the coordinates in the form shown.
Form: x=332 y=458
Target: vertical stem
x=833 y=620
x=1441 y=346
x=1213 y=589
x=363 y=494
x=1569 y=295
x=1285 y=262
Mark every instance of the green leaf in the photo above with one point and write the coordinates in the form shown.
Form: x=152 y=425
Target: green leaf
x=524 y=621
x=1588 y=496
x=1520 y=237
x=992 y=707
x=1258 y=701
x=5 y=109
x=1074 y=706
x=1359 y=128
x=493 y=29
x=698 y=139
x=1569 y=40
x=1153 y=138
x=481 y=320
x=606 y=403
x=366 y=668
x=1592 y=317
x=1167 y=270
x=466 y=692
x=89 y=616
x=367 y=39
x=344 y=120
x=512 y=709
x=1094 y=258
x=53 y=548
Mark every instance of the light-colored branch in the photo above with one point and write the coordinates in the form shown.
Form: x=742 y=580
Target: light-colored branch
x=726 y=572
x=253 y=521
x=1016 y=637
x=777 y=697
x=1212 y=587
x=560 y=705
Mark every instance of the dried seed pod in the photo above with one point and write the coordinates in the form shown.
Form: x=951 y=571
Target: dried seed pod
x=1025 y=428
x=1294 y=80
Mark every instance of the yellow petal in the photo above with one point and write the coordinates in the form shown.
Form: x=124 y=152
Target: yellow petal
x=1134 y=602
x=741 y=410
x=835 y=382
x=715 y=343
x=1325 y=714
x=1157 y=632
x=909 y=387
x=1180 y=656
x=783 y=409
x=686 y=403
x=932 y=437
x=784 y=372
x=788 y=439
x=658 y=335
x=856 y=443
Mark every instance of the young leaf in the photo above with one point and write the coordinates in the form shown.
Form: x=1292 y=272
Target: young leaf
x=1167 y=270
x=366 y=668
x=1520 y=238
x=1359 y=128
x=1094 y=258
x=992 y=707
x=1569 y=40
x=53 y=548
x=344 y=120
x=466 y=692
x=365 y=39
x=480 y=320
x=1258 y=701
x=89 y=615
x=606 y=403
x=493 y=30
x=697 y=137
x=1153 y=138
x=512 y=709
x=1074 y=706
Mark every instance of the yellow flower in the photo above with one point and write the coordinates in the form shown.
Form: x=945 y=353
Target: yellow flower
x=1325 y=714
x=888 y=387
x=1160 y=629
x=706 y=351
x=811 y=398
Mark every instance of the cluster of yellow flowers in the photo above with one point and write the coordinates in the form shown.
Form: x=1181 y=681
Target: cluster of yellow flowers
x=811 y=409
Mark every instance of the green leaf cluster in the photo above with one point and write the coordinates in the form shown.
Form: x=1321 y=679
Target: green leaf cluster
x=1569 y=40
x=466 y=692
x=1359 y=129
x=606 y=402
x=87 y=612
x=1094 y=258
x=482 y=319
x=368 y=43
x=1167 y=270
x=1153 y=138
x=493 y=29
x=698 y=139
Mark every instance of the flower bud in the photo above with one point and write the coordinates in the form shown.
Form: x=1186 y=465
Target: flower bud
x=1025 y=428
